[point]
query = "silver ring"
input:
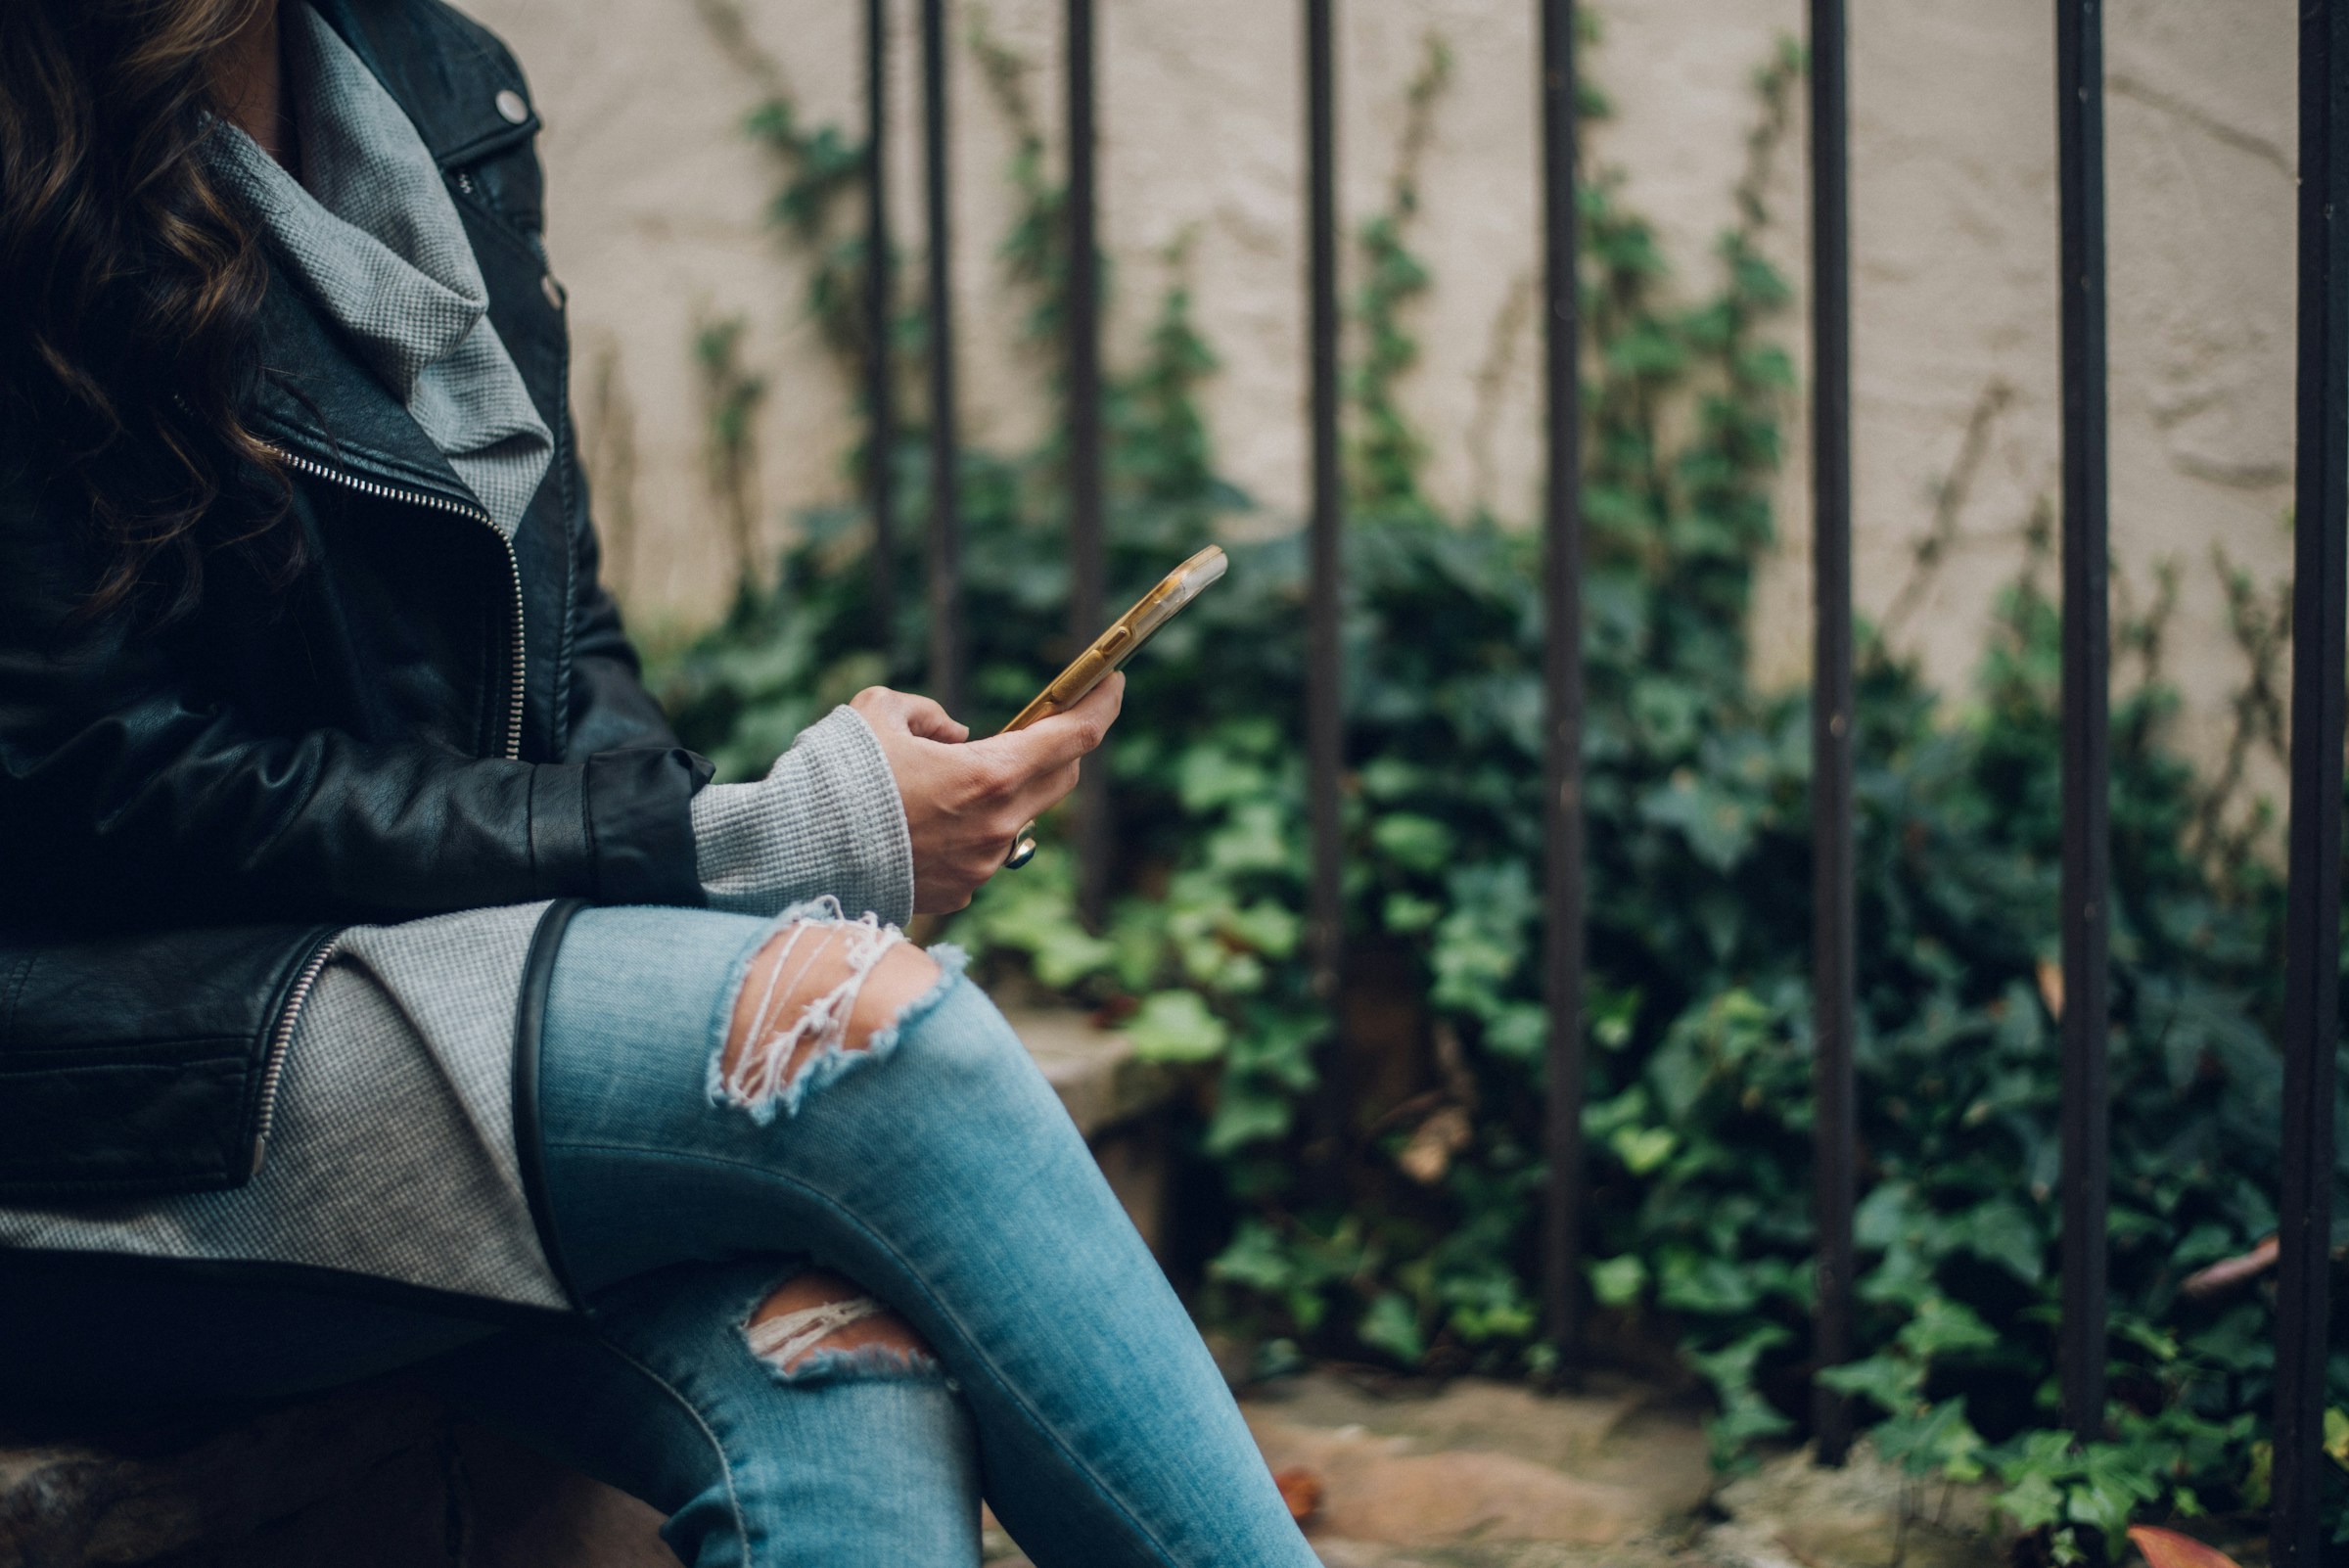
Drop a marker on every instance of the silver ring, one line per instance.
(1022, 849)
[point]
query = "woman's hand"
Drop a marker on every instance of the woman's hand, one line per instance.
(965, 800)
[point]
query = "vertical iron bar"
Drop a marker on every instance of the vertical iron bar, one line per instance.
(2312, 906)
(945, 520)
(1562, 682)
(880, 387)
(1835, 1130)
(2086, 846)
(1324, 711)
(1086, 546)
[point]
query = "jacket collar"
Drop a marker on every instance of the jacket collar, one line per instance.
(447, 74)
(317, 400)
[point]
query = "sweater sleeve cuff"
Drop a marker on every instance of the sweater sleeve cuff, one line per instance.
(826, 819)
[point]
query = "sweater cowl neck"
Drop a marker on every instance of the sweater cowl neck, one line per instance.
(372, 235)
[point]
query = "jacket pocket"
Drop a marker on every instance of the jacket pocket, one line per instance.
(112, 1127)
(133, 1063)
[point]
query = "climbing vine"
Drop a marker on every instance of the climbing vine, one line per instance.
(1696, 789)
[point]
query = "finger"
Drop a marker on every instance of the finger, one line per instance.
(1043, 792)
(1110, 695)
(925, 718)
(884, 708)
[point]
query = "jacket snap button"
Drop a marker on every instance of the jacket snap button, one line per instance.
(551, 289)
(510, 105)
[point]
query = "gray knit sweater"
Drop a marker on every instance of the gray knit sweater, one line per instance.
(394, 1152)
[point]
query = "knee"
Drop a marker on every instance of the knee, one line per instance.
(817, 987)
(819, 1321)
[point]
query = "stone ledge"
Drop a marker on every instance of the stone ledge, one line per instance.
(1094, 1070)
(65, 1503)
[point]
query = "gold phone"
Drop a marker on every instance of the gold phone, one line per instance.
(1121, 642)
(1125, 636)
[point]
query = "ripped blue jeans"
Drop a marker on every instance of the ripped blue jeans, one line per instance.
(937, 1169)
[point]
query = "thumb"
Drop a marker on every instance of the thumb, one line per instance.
(1056, 740)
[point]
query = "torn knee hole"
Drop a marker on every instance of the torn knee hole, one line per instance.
(819, 1325)
(819, 989)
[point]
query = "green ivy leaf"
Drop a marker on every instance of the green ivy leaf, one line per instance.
(1247, 1112)
(1642, 1148)
(1414, 842)
(1208, 777)
(1892, 1381)
(1744, 1415)
(1486, 1304)
(1408, 913)
(2115, 1481)
(1611, 1014)
(1254, 1259)
(1696, 1282)
(1175, 1026)
(1065, 954)
(1718, 825)
(1251, 840)
(1272, 930)
(1936, 1440)
(1518, 1032)
(1393, 1327)
(1388, 778)
(2034, 1501)
(2001, 1231)
(1945, 1327)
(1618, 1281)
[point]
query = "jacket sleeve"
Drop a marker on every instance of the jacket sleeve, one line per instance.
(130, 797)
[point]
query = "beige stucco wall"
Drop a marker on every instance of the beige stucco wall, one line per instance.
(654, 222)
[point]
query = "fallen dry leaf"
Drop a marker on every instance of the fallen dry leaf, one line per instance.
(1299, 1489)
(2231, 1270)
(2167, 1548)
(2051, 986)
(1429, 1153)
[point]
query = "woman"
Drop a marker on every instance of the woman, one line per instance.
(380, 984)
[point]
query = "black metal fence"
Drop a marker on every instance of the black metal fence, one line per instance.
(2320, 623)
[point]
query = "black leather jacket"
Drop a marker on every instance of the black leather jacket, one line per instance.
(427, 720)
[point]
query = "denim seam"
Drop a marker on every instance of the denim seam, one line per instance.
(725, 1462)
(1012, 1390)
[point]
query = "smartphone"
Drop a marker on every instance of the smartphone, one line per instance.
(1125, 636)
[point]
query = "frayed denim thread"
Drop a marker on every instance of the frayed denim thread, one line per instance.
(822, 1363)
(832, 1057)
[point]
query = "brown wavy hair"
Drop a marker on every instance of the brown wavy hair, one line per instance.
(133, 283)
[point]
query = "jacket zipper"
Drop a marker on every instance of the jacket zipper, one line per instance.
(273, 1069)
(512, 742)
